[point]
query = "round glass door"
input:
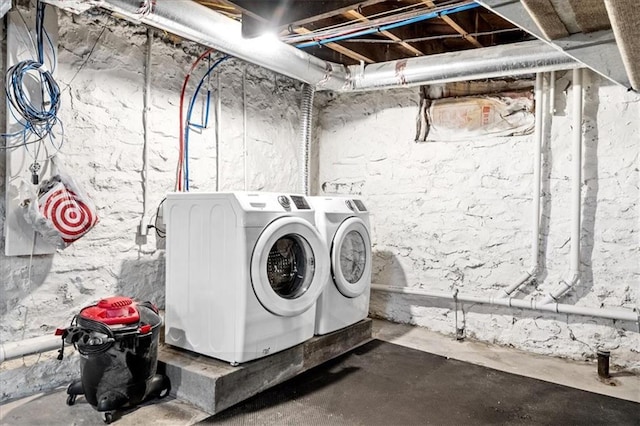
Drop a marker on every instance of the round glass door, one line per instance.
(289, 266)
(351, 257)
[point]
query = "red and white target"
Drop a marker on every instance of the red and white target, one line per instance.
(68, 214)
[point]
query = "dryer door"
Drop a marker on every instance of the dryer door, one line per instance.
(351, 257)
(289, 266)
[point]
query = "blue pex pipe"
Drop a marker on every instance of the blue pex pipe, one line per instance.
(189, 112)
(387, 27)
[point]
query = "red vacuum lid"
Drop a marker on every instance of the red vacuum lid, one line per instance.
(112, 311)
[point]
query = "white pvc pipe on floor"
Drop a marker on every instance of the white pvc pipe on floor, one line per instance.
(576, 188)
(31, 346)
(613, 314)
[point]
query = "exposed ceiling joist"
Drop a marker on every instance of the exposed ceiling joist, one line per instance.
(279, 14)
(625, 17)
(546, 17)
(597, 51)
(352, 14)
(338, 48)
(325, 19)
(455, 26)
(337, 11)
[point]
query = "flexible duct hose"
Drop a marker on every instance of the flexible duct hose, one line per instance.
(305, 136)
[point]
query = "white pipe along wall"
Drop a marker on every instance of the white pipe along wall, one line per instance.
(540, 97)
(455, 215)
(613, 314)
(548, 303)
(576, 185)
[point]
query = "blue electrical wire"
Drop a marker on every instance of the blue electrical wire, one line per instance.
(35, 120)
(190, 111)
(387, 27)
(54, 59)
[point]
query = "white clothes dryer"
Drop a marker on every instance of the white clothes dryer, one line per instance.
(344, 225)
(244, 271)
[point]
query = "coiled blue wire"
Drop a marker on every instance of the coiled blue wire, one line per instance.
(36, 119)
(20, 101)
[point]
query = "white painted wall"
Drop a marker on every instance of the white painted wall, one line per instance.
(444, 215)
(451, 216)
(102, 113)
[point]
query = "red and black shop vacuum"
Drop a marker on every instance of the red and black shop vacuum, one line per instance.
(117, 339)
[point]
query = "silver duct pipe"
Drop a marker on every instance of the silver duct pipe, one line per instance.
(306, 120)
(527, 57)
(198, 23)
(201, 24)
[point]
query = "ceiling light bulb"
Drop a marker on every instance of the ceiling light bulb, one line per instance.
(266, 42)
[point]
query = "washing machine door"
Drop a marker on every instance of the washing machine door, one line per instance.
(289, 266)
(351, 257)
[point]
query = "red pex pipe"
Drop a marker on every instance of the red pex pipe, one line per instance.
(180, 171)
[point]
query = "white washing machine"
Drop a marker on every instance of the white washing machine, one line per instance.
(344, 225)
(244, 271)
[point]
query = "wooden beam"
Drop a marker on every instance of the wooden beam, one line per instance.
(297, 13)
(335, 12)
(471, 39)
(338, 48)
(352, 14)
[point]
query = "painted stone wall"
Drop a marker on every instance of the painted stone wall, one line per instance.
(458, 216)
(101, 109)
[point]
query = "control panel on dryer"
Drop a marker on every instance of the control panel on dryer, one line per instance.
(300, 202)
(360, 205)
(355, 206)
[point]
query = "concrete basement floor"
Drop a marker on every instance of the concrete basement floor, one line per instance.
(402, 383)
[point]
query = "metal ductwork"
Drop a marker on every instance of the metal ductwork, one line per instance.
(198, 23)
(475, 64)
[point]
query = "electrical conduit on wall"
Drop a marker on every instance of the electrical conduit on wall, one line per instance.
(142, 227)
